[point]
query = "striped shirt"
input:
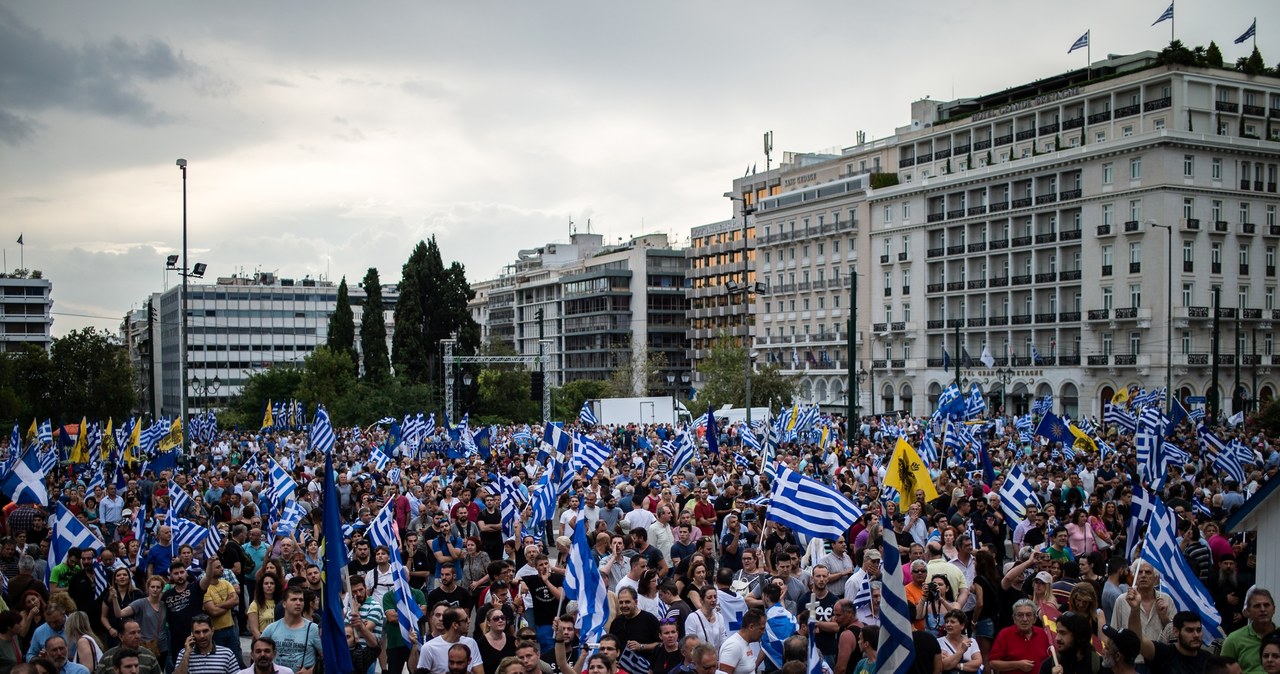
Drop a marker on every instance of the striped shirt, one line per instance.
(220, 661)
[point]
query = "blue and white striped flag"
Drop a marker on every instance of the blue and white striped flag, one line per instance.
(975, 405)
(928, 447)
(383, 531)
(1024, 423)
(896, 653)
(67, 533)
(1160, 550)
(179, 500)
(379, 458)
(770, 460)
(44, 432)
(510, 502)
(586, 416)
(290, 518)
(1117, 416)
(1149, 441)
(584, 584)
(810, 507)
(1167, 15)
(212, 542)
(25, 481)
(685, 452)
(283, 487)
(1016, 494)
(428, 426)
(1141, 508)
(589, 454)
(1080, 43)
(1223, 456)
(186, 532)
(1200, 508)
(322, 435)
(749, 437)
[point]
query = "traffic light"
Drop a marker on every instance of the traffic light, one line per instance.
(537, 381)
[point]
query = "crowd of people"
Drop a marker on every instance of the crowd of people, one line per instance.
(699, 578)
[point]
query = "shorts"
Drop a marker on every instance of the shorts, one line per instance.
(985, 628)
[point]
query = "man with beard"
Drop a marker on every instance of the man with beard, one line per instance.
(1121, 649)
(263, 653)
(1224, 586)
(1074, 647)
(1245, 644)
(1184, 655)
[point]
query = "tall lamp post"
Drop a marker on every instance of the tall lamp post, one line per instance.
(1168, 341)
(1004, 375)
(182, 368)
(747, 211)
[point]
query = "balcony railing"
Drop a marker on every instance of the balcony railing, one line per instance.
(1132, 226)
(1197, 312)
(1128, 111)
(1226, 106)
(1188, 266)
(935, 252)
(1157, 104)
(1248, 228)
(1047, 318)
(999, 244)
(1135, 267)
(1071, 235)
(1070, 275)
(1003, 140)
(935, 217)
(1226, 359)
(1099, 314)
(955, 285)
(1048, 128)
(1049, 198)
(1022, 319)
(906, 162)
(955, 322)
(1220, 226)
(961, 149)
(1106, 270)
(1102, 359)
(934, 324)
(1070, 194)
(1197, 359)
(1215, 267)
(1025, 134)
(1069, 316)
(982, 144)
(1244, 270)
(1047, 277)
(999, 281)
(977, 284)
(1126, 359)
(977, 247)
(902, 257)
(1021, 203)
(999, 320)
(1127, 313)
(1250, 359)
(884, 259)
(955, 250)
(943, 153)
(1021, 241)
(933, 362)
(879, 327)
(1069, 361)
(1073, 123)
(1226, 312)
(1192, 224)
(898, 364)
(999, 206)
(1047, 237)
(977, 322)
(1104, 230)
(897, 326)
(1103, 116)
(977, 210)
(955, 213)
(1273, 230)
(1255, 110)
(1251, 314)
(1022, 279)
(935, 287)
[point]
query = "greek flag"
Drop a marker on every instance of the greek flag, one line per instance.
(586, 416)
(1253, 29)
(69, 533)
(179, 501)
(282, 486)
(700, 422)
(684, 453)
(251, 466)
(951, 403)
(379, 458)
(1042, 405)
(779, 625)
(383, 531)
(428, 426)
(928, 448)
(1023, 423)
(510, 501)
(290, 519)
(1196, 414)
(1015, 494)
(44, 433)
(555, 440)
(896, 653)
(1080, 43)
(322, 436)
(810, 507)
(1222, 455)
(749, 438)
(1116, 415)
(1166, 16)
(1160, 549)
(212, 542)
(186, 532)
(1236, 419)
(25, 481)
(543, 500)
(523, 436)
(1200, 508)
(48, 459)
(589, 454)
(584, 584)
(957, 438)
(1141, 507)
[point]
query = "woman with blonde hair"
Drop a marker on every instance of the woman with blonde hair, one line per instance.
(82, 644)
(496, 643)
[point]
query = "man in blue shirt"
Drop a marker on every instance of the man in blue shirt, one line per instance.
(55, 621)
(160, 557)
(445, 549)
(56, 650)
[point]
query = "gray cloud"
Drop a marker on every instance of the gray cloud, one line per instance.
(105, 78)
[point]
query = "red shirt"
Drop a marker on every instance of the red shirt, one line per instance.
(1010, 645)
(705, 511)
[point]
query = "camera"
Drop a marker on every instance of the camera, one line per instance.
(930, 592)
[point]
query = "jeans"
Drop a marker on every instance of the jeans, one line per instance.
(230, 637)
(397, 658)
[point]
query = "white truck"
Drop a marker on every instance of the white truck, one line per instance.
(647, 410)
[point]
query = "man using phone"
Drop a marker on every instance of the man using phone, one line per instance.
(199, 653)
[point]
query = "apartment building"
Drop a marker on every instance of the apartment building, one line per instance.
(26, 305)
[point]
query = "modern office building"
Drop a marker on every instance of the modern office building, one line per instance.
(1069, 233)
(26, 305)
(600, 306)
(240, 325)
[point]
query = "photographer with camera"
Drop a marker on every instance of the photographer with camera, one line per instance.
(938, 600)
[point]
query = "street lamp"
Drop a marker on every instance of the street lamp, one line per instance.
(182, 367)
(1004, 375)
(864, 373)
(204, 388)
(747, 211)
(1168, 340)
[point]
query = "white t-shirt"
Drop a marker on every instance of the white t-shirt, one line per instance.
(709, 630)
(279, 669)
(739, 654)
(435, 654)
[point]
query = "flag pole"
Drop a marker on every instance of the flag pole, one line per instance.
(1173, 21)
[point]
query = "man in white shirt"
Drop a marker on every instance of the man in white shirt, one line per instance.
(435, 653)
(661, 536)
(740, 653)
(591, 511)
(264, 659)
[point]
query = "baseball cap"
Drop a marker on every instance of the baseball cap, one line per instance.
(872, 554)
(1044, 577)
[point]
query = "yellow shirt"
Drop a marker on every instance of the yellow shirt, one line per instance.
(219, 592)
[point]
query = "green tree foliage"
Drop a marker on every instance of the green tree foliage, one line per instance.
(373, 331)
(724, 370)
(276, 384)
(566, 401)
(622, 381)
(90, 376)
(342, 327)
(500, 392)
(1213, 56)
(1253, 65)
(327, 375)
(1176, 54)
(26, 385)
(432, 306)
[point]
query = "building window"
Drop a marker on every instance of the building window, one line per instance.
(888, 246)
(1244, 212)
(1159, 124)
(1135, 295)
(1106, 343)
(1135, 210)
(1100, 137)
(1135, 168)
(1215, 168)
(1126, 131)
(888, 214)
(1186, 342)
(1188, 251)
(1135, 252)
(1188, 208)
(1215, 211)
(1108, 300)
(1242, 296)
(906, 210)
(1107, 255)
(1107, 173)
(1244, 256)
(1108, 214)
(1269, 298)
(1271, 215)
(1135, 343)
(1188, 289)
(1188, 166)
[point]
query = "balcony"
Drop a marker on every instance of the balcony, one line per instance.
(955, 322)
(977, 247)
(879, 364)
(976, 210)
(1244, 270)
(935, 287)
(902, 257)
(955, 285)
(1226, 359)
(933, 362)
(898, 364)
(1251, 314)
(1071, 235)
(999, 206)
(1188, 266)
(1099, 314)
(976, 322)
(935, 252)
(1197, 359)
(1069, 316)
(1250, 359)
(898, 326)
(1248, 228)
(999, 281)
(1271, 271)
(934, 324)
(1049, 198)
(906, 162)
(1104, 116)
(997, 321)
(1106, 270)
(1003, 140)
(962, 149)
(884, 259)
(1022, 280)
(1191, 224)
(1099, 360)
(1021, 203)
(1104, 230)
(1070, 194)
(1220, 227)
(879, 327)
(1135, 267)
(888, 291)
(1026, 134)
(1157, 104)
(1047, 318)
(955, 213)
(1127, 313)
(955, 250)
(924, 158)
(1022, 319)
(1021, 241)
(982, 144)
(1128, 111)
(943, 153)
(1132, 226)
(999, 244)
(1273, 230)
(1126, 359)
(977, 284)
(1255, 110)
(1048, 129)
(1069, 361)
(1047, 237)
(1215, 267)
(1226, 312)
(1226, 106)
(1197, 312)
(1070, 275)
(906, 290)
(1047, 277)
(935, 217)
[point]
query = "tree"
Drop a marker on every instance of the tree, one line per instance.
(1213, 56)
(26, 387)
(645, 378)
(274, 383)
(432, 306)
(1253, 65)
(342, 326)
(501, 391)
(373, 330)
(724, 370)
(1176, 54)
(566, 401)
(327, 375)
(91, 375)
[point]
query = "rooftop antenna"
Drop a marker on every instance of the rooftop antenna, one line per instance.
(768, 150)
(588, 225)
(570, 226)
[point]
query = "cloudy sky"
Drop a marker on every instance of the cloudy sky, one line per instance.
(327, 137)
